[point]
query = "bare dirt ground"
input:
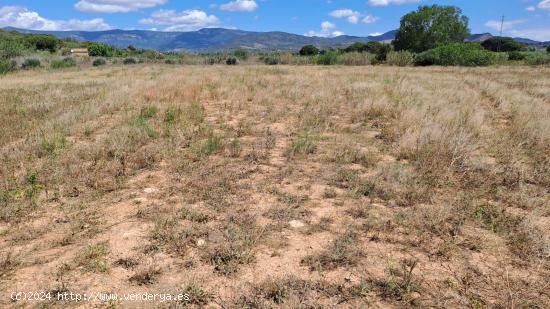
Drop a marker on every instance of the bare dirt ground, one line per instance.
(291, 187)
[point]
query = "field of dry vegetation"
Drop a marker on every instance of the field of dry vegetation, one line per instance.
(291, 187)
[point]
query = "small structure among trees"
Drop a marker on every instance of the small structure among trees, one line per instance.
(79, 51)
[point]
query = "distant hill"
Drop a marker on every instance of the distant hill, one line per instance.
(219, 39)
(209, 39)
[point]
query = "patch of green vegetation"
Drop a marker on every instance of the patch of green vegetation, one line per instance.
(210, 146)
(63, 63)
(94, 258)
(52, 145)
(304, 144)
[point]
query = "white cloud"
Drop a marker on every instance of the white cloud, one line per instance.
(530, 8)
(391, 2)
(21, 17)
(240, 5)
(544, 5)
(115, 6)
(369, 19)
(327, 30)
(188, 20)
(353, 16)
(326, 26)
(507, 25)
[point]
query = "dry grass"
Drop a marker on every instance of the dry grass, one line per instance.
(260, 186)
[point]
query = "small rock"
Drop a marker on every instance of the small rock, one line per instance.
(150, 190)
(201, 242)
(296, 224)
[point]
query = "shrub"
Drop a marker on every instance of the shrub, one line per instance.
(99, 62)
(400, 58)
(501, 58)
(538, 59)
(378, 48)
(30, 63)
(356, 58)
(42, 42)
(309, 50)
(463, 54)
(10, 49)
(170, 61)
(130, 61)
(516, 56)
(328, 58)
(241, 54)
(100, 50)
(548, 49)
(231, 61)
(63, 63)
(500, 44)
(356, 47)
(272, 59)
(215, 59)
(7, 66)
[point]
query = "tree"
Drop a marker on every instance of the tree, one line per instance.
(309, 50)
(548, 49)
(501, 44)
(431, 26)
(42, 42)
(356, 47)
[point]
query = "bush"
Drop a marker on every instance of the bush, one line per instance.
(10, 49)
(328, 58)
(215, 59)
(231, 61)
(30, 64)
(309, 50)
(516, 56)
(356, 58)
(537, 58)
(272, 59)
(7, 66)
(130, 61)
(378, 48)
(170, 61)
(63, 63)
(462, 54)
(100, 50)
(42, 42)
(400, 58)
(241, 54)
(99, 62)
(548, 49)
(500, 44)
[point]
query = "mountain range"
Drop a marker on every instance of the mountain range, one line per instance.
(220, 39)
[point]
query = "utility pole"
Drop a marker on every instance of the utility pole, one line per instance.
(501, 29)
(501, 25)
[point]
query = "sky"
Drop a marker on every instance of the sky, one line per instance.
(327, 18)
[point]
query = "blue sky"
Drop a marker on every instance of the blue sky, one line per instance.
(526, 18)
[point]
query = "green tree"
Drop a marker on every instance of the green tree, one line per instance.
(431, 26)
(356, 47)
(309, 50)
(42, 42)
(548, 49)
(501, 44)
